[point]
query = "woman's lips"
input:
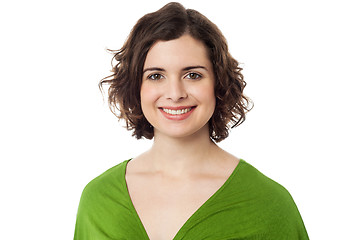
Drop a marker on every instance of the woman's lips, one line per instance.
(177, 113)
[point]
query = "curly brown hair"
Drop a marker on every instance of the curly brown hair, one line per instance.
(169, 23)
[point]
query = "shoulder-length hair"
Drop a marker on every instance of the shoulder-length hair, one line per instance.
(169, 23)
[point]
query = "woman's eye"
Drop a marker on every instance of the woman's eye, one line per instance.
(155, 76)
(193, 75)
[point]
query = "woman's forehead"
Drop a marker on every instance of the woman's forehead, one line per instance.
(180, 52)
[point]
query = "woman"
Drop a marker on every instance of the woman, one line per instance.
(175, 82)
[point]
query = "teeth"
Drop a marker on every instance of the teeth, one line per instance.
(177, 112)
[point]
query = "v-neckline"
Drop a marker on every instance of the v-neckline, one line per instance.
(183, 227)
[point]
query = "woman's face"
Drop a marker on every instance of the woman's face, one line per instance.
(177, 92)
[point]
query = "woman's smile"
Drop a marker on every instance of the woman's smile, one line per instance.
(177, 113)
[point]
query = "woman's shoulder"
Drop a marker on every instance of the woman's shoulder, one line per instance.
(272, 201)
(110, 180)
(104, 204)
(254, 180)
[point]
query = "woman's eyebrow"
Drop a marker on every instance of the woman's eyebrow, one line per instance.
(192, 67)
(163, 70)
(154, 69)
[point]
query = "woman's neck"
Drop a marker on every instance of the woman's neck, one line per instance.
(181, 156)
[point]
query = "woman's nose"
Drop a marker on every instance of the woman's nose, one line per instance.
(175, 90)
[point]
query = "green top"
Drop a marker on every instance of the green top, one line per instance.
(248, 206)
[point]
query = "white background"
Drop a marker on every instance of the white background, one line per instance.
(301, 61)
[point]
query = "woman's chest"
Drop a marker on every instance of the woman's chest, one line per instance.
(164, 206)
